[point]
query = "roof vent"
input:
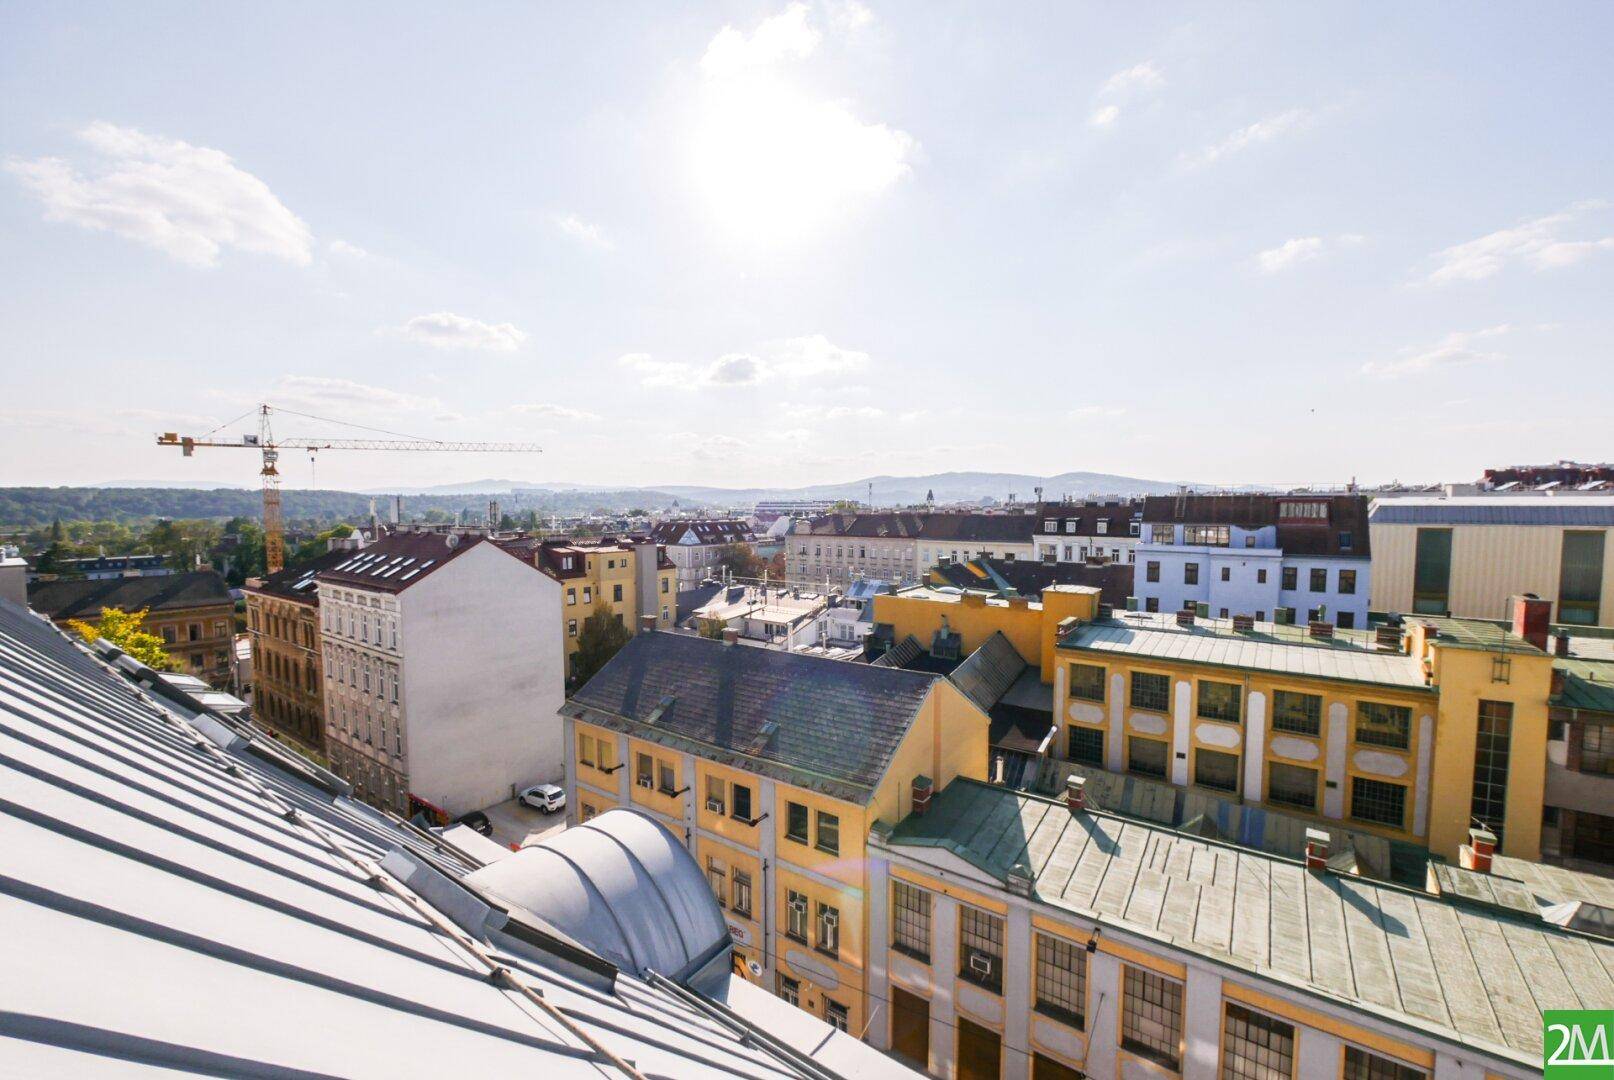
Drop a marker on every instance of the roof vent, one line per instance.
(1322, 631)
(1185, 617)
(1316, 850)
(1388, 639)
(1243, 624)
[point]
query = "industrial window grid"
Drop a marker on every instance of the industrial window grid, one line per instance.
(1597, 748)
(1492, 740)
(1146, 757)
(1378, 802)
(911, 930)
(835, 1015)
(981, 937)
(1151, 1017)
(1219, 701)
(1061, 979)
(1151, 691)
(1217, 770)
(1087, 746)
(1087, 682)
(1365, 1065)
(1292, 785)
(1378, 724)
(1298, 714)
(790, 990)
(1256, 1046)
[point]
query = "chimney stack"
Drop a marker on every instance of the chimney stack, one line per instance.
(1560, 645)
(922, 791)
(1476, 855)
(1076, 793)
(1531, 615)
(1316, 850)
(647, 623)
(730, 635)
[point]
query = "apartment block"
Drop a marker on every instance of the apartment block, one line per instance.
(695, 544)
(1306, 557)
(192, 612)
(771, 768)
(283, 628)
(1091, 531)
(838, 549)
(443, 664)
(1465, 556)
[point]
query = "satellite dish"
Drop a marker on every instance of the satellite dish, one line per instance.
(755, 969)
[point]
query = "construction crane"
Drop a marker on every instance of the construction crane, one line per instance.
(274, 543)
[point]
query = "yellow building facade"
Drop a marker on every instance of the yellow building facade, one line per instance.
(782, 835)
(630, 578)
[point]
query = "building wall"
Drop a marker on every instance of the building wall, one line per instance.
(364, 720)
(198, 639)
(288, 689)
(840, 560)
(1029, 625)
(483, 680)
(1074, 547)
(1489, 563)
(1244, 592)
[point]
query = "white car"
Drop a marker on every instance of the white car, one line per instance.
(546, 797)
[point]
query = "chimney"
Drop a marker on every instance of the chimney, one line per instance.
(1560, 645)
(1477, 853)
(922, 791)
(1244, 624)
(1185, 617)
(1531, 614)
(730, 636)
(1557, 682)
(1076, 793)
(647, 623)
(1316, 850)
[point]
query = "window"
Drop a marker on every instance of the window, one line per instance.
(1087, 682)
(1227, 573)
(714, 795)
(741, 895)
(911, 920)
(616, 593)
(829, 833)
(571, 627)
(835, 1014)
(665, 778)
(1378, 802)
(1347, 582)
(1205, 535)
(1580, 579)
(1491, 744)
(1219, 701)
(1151, 604)
(1289, 578)
(1383, 725)
(1597, 749)
(665, 582)
(585, 749)
(644, 769)
(1364, 1065)
(1061, 989)
(1319, 579)
(1215, 769)
(571, 597)
(1190, 573)
(740, 796)
(1298, 714)
(1431, 572)
(796, 916)
(1146, 757)
(1087, 746)
(1345, 620)
(796, 822)
(790, 990)
(1314, 511)
(1261, 576)
(980, 948)
(1256, 1046)
(588, 594)
(1151, 570)
(1151, 691)
(1292, 785)
(1151, 1017)
(718, 879)
(829, 929)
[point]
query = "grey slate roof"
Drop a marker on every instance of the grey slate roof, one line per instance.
(163, 913)
(1349, 656)
(1571, 510)
(299, 584)
(1476, 978)
(84, 599)
(824, 724)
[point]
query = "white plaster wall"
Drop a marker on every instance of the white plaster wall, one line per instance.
(1181, 721)
(1104, 1026)
(1202, 1023)
(482, 673)
(875, 979)
(1420, 785)
(1334, 767)
(1317, 1053)
(1255, 726)
(943, 957)
(1115, 751)
(1016, 1002)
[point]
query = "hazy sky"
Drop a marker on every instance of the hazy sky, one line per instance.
(778, 244)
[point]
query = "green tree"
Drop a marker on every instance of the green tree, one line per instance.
(127, 630)
(598, 640)
(740, 561)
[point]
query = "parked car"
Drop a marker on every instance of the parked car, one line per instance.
(546, 797)
(477, 820)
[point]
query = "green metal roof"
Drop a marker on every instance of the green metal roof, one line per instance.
(1588, 684)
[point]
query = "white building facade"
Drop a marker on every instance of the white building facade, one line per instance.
(1088, 532)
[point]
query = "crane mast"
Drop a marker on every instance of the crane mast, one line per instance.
(274, 529)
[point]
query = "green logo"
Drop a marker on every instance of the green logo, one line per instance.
(1578, 1045)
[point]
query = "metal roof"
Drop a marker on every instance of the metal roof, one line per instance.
(1348, 656)
(1470, 976)
(180, 895)
(84, 598)
(1573, 510)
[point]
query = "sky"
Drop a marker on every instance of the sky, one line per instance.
(777, 244)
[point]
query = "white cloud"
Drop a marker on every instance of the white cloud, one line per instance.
(1104, 115)
(344, 397)
(786, 35)
(812, 356)
(1536, 243)
(548, 411)
(813, 413)
(1144, 76)
(346, 250)
(773, 161)
(1089, 412)
(848, 16)
(189, 202)
(791, 359)
(1290, 252)
(735, 369)
(1454, 350)
(583, 232)
(1262, 131)
(445, 330)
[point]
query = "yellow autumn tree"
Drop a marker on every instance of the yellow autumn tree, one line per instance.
(127, 630)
